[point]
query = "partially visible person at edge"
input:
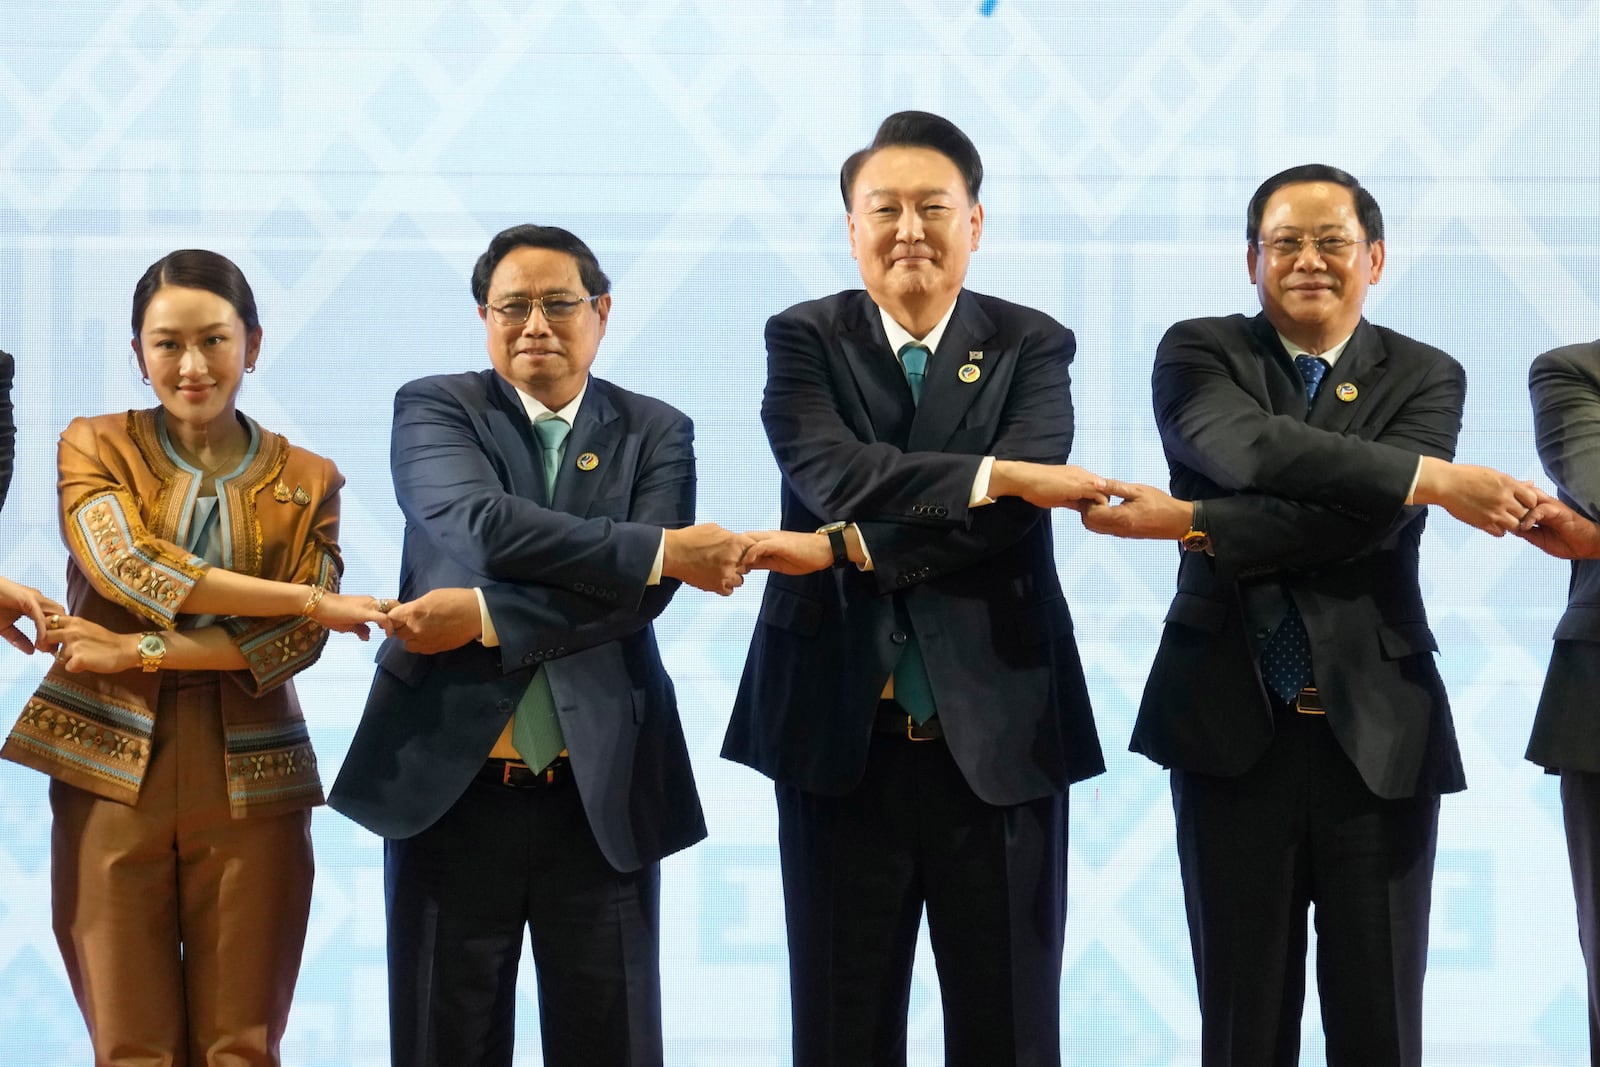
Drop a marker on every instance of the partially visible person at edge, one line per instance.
(203, 575)
(16, 600)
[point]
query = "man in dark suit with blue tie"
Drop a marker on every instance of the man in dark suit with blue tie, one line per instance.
(521, 750)
(913, 686)
(1294, 693)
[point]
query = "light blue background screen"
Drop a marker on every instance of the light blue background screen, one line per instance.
(354, 158)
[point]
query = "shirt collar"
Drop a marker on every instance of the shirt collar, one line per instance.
(567, 414)
(1330, 357)
(899, 338)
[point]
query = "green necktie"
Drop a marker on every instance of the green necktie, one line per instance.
(536, 730)
(914, 358)
(912, 690)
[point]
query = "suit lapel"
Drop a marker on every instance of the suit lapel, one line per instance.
(1362, 367)
(597, 433)
(945, 396)
(512, 434)
(878, 377)
(1285, 389)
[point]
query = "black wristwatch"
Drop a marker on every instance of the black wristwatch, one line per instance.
(835, 532)
(1197, 539)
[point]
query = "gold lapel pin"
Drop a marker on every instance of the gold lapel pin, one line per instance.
(969, 372)
(588, 461)
(301, 497)
(280, 492)
(1346, 391)
(974, 356)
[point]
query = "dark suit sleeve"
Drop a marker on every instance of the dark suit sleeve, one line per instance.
(447, 485)
(8, 427)
(827, 465)
(1212, 424)
(1036, 426)
(532, 615)
(1565, 386)
(1256, 533)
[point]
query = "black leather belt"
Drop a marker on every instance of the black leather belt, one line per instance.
(514, 774)
(892, 719)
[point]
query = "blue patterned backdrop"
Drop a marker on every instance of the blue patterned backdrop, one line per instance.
(354, 158)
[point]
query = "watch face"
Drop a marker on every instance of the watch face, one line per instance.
(151, 645)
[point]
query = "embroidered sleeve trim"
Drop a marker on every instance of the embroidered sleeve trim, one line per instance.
(276, 649)
(124, 562)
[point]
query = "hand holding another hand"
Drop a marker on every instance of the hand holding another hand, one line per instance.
(706, 556)
(1481, 497)
(17, 601)
(349, 614)
(1144, 513)
(1047, 485)
(1559, 530)
(787, 552)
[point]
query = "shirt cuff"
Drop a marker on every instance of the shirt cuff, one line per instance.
(866, 553)
(489, 638)
(980, 484)
(1416, 476)
(661, 561)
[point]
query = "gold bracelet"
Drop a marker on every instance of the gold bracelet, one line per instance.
(312, 601)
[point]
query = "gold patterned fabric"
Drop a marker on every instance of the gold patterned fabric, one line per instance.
(127, 503)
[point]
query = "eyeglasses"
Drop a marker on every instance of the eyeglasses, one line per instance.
(1327, 247)
(558, 308)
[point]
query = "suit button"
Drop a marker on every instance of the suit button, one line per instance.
(898, 637)
(529, 658)
(1263, 634)
(941, 512)
(902, 579)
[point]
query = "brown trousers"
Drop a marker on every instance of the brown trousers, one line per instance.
(181, 927)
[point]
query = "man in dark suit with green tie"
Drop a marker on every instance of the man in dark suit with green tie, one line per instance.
(913, 686)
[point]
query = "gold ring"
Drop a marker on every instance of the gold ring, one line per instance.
(53, 622)
(383, 604)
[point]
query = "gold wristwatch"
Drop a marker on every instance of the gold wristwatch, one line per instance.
(1197, 539)
(152, 649)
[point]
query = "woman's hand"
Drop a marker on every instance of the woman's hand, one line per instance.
(349, 614)
(81, 645)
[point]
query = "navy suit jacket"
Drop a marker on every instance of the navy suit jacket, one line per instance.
(1565, 387)
(978, 585)
(1309, 508)
(8, 426)
(565, 583)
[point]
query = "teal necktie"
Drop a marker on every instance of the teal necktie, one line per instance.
(536, 730)
(912, 690)
(914, 358)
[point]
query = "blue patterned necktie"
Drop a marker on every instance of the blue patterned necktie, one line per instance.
(1286, 659)
(535, 728)
(914, 358)
(912, 690)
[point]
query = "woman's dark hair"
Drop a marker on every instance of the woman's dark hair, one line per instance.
(196, 268)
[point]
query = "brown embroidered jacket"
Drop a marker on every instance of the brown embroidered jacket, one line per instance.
(127, 503)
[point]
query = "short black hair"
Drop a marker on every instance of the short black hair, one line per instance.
(528, 236)
(1367, 212)
(196, 268)
(918, 129)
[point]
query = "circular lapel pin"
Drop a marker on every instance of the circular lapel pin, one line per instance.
(1345, 392)
(588, 461)
(969, 372)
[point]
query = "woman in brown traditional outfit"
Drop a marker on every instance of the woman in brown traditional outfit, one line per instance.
(204, 574)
